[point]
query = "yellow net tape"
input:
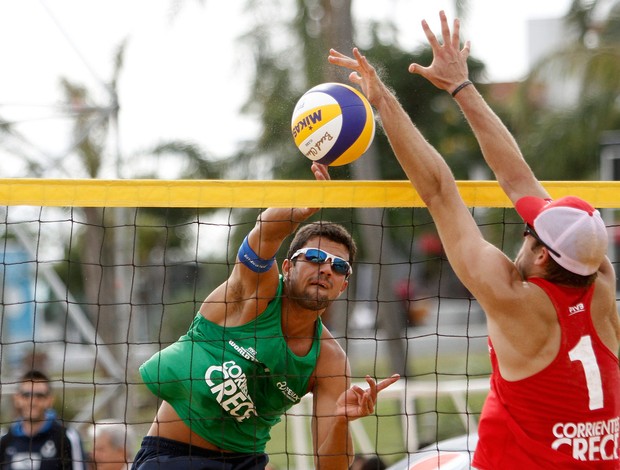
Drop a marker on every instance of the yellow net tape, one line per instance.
(260, 194)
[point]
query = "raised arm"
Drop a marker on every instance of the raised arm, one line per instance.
(425, 168)
(434, 182)
(275, 224)
(449, 72)
(254, 279)
(271, 229)
(336, 403)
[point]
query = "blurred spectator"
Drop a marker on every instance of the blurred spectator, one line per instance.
(414, 310)
(113, 445)
(38, 439)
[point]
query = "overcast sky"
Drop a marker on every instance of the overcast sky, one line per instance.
(186, 78)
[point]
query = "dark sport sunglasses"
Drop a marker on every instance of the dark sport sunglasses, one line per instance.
(530, 231)
(315, 255)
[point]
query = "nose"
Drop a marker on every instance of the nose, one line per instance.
(326, 267)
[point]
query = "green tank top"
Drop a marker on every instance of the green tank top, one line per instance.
(231, 385)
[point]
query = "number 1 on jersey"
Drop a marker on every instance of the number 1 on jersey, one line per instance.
(584, 353)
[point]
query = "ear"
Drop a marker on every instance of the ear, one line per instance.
(542, 256)
(345, 284)
(286, 267)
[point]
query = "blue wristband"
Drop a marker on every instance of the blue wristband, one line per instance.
(251, 260)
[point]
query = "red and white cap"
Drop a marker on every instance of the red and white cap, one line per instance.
(571, 227)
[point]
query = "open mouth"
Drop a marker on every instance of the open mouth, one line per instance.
(323, 284)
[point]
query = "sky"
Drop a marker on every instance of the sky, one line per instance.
(185, 78)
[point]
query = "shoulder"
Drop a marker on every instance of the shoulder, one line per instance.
(604, 313)
(73, 436)
(242, 297)
(56, 428)
(505, 296)
(330, 347)
(519, 303)
(5, 436)
(72, 433)
(60, 429)
(485, 270)
(524, 330)
(523, 315)
(333, 364)
(605, 284)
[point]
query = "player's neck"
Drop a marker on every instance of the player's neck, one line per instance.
(31, 428)
(299, 329)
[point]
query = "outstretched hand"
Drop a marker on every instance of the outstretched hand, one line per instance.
(449, 67)
(321, 172)
(356, 402)
(364, 74)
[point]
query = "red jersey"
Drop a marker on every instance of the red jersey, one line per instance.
(565, 416)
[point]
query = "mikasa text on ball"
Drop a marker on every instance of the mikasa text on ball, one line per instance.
(333, 124)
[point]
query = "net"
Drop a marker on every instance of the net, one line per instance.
(98, 275)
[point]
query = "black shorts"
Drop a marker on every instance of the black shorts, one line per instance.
(159, 453)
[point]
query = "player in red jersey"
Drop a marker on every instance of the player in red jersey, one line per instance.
(552, 319)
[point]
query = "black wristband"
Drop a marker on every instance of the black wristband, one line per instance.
(460, 87)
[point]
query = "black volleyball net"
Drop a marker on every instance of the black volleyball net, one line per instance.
(98, 275)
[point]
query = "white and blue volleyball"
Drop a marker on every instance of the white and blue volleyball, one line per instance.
(333, 124)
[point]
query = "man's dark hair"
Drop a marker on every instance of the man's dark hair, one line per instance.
(34, 376)
(560, 275)
(329, 230)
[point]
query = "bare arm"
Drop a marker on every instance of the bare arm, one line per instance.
(501, 152)
(423, 165)
(434, 182)
(483, 268)
(275, 224)
(246, 293)
(335, 403)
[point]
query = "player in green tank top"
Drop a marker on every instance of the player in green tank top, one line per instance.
(254, 349)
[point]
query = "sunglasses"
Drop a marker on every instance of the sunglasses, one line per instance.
(39, 395)
(314, 255)
(530, 231)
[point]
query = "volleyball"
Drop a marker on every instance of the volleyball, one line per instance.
(333, 124)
